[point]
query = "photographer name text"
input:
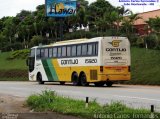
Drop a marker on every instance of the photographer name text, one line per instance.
(139, 2)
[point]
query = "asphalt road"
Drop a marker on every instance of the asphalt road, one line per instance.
(133, 96)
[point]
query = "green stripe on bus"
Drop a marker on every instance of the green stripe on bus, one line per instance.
(52, 70)
(47, 70)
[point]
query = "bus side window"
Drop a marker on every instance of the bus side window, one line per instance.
(73, 50)
(68, 51)
(59, 52)
(50, 52)
(79, 50)
(84, 49)
(89, 51)
(64, 51)
(42, 53)
(54, 52)
(96, 49)
(38, 54)
(46, 53)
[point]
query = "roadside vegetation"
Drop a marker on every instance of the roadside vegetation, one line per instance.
(50, 101)
(13, 66)
(145, 66)
(28, 28)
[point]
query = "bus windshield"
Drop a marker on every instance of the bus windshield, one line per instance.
(31, 60)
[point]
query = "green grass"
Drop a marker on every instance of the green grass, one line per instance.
(145, 66)
(49, 101)
(11, 64)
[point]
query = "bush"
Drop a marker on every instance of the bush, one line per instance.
(41, 101)
(152, 41)
(19, 54)
(140, 42)
(133, 39)
(36, 40)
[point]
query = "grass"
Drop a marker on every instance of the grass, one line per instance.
(12, 69)
(49, 101)
(11, 64)
(145, 66)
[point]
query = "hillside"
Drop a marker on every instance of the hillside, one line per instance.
(145, 68)
(12, 69)
(7, 64)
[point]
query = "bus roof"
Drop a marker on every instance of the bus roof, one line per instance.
(67, 42)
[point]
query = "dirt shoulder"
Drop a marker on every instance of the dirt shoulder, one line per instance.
(10, 105)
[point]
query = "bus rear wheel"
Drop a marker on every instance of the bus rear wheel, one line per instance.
(109, 83)
(99, 84)
(75, 79)
(83, 80)
(39, 79)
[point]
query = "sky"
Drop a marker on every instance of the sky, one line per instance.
(12, 7)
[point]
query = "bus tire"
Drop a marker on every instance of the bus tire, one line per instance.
(109, 83)
(75, 79)
(99, 84)
(83, 80)
(39, 78)
(62, 82)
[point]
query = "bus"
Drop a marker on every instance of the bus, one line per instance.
(100, 60)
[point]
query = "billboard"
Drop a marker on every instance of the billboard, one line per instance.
(60, 8)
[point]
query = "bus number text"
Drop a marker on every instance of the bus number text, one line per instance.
(91, 61)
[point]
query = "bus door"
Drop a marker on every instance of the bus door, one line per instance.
(31, 60)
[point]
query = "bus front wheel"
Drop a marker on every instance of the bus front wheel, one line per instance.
(75, 79)
(83, 80)
(39, 78)
(62, 83)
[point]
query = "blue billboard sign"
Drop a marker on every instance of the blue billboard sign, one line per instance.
(60, 8)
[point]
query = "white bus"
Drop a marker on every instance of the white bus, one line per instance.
(100, 60)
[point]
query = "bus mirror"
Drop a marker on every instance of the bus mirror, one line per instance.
(27, 62)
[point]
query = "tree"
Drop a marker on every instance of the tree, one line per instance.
(154, 24)
(128, 23)
(99, 13)
(119, 14)
(36, 40)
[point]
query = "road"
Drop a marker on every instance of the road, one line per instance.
(133, 96)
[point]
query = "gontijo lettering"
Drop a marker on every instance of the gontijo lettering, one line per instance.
(71, 61)
(116, 49)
